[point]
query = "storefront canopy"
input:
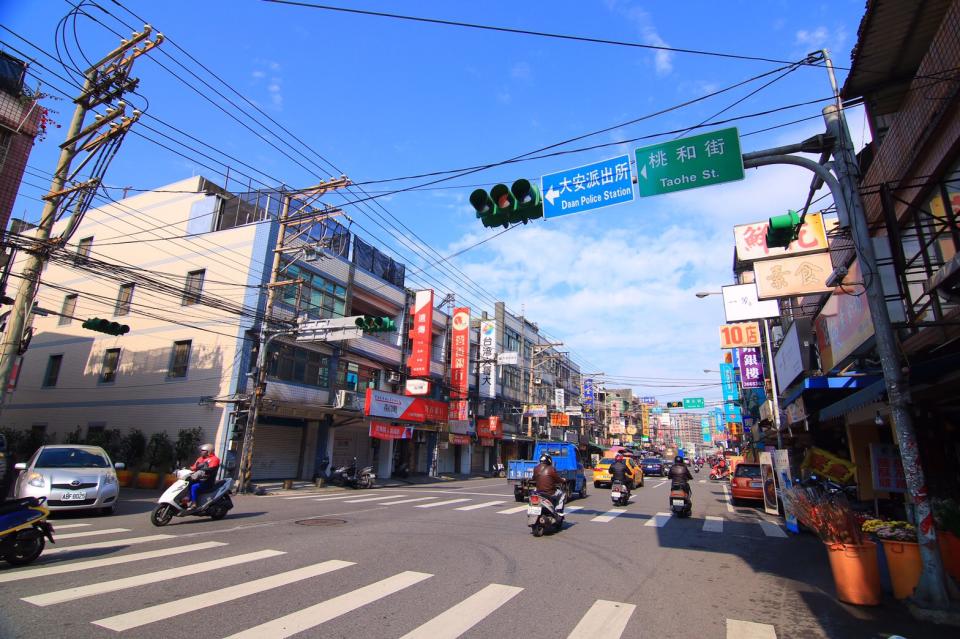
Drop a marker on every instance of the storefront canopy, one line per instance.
(862, 397)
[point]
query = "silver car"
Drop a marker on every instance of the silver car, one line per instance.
(71, 478)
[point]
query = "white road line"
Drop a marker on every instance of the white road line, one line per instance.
(62, 526)
(117, 543)
(442, 503)
(607, 516)
(659, 520)
(749, 630)
(478, 506)
(334, 498)
(177, 607)
(44, 571)
(91, 533)
(313, 496)
(517, 509)
(465, 615)
(406, 501)
(70, 594)
(604, 619)
(713, 524)
(702, 481)
(771, 530)
(726, 495)
(313, 616)
(381, 498)
(571, 509)
(660, 484)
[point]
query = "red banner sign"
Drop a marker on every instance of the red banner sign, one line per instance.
(403, 408)
(491, 427)
(487, 441)
(460, 364)
(422, 334)
(383, 430)
(459, 440)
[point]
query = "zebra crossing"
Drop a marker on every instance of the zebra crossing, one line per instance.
(600, 617)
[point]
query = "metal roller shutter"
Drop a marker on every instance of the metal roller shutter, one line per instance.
(276, 452)
(476, 461)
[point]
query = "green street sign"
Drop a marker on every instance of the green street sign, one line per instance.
(689, 163)
(693, 402)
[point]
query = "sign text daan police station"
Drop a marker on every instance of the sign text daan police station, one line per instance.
(587, 187)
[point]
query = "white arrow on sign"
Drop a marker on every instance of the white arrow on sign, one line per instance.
(643, 171)
(552, 194)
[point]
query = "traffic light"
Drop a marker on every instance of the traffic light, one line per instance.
(783, 229)
(106, 326)
(373, 324)
(674, 404)
(503, 206)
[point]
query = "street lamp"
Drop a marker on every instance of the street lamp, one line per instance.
(703, 294)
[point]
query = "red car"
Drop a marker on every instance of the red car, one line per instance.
(746, 484)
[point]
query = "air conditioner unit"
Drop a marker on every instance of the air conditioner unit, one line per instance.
(537, 380)
(348, 400)
(393, 377)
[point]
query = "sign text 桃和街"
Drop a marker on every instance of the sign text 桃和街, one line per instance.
(689, 163)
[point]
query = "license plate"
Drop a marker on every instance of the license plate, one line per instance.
(74, 496)
(755, 484)
(533, 510)
(615, 494)
(677, 502)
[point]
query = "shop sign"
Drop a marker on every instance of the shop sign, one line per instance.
(739, 335)
(488, 358)
(422, 334)
(573, 411)
(384, 430)
(558, 398)
(417, 387)
(491, 427)
(751, 240)
(740, 303)
(769, 484)
(825, 464)
(796, 412)
(887, 468)
(631, 430)
(751, 368)
(793, 276)
(559, 419)
(792, 357)
(460, 365)
(486, 441)
(845, 322)
(459, 440)
(535, 410)
(781, 466)
(403, 408)
(587, 398)
(508, 359)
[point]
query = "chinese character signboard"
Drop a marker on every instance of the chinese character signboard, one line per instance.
(693, 402)
(887, 468)
(558, 398)
(821, 462)
(422, 334)
(740, 303)
(490, 427)
(382, 430)
(740, 335)
(460, 365)
(562, 419)
(403, 408)
(845, 322)
(751, 368)
(751, 240)
(488, 357)
(793, 276)
(587, 399)
(588, 187)
(689, 163)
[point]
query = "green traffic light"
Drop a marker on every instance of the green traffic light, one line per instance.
(529, 200)
(482, 203)
(373, 324)
(105, 326)
(782, 230)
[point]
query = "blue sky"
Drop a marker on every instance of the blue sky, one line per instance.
(380, 98)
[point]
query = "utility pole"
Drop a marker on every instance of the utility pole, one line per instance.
(306, 197)
(104, 82)
(537, 350)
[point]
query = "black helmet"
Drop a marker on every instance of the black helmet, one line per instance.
(546, 459)
(678, 459)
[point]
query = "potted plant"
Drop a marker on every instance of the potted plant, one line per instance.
(188, 442)
(159, 454)
(946, 515)
(853, 559)
(900, 547)
(133, 445)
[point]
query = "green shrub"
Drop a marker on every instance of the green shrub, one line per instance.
(133, 447)
(159, 453)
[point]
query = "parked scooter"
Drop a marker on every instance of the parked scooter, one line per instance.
(24, 529)
(350, 476)
(717, 473)
(542, 515)
(680, 503)
(215, 503)
(619, 494)
(499, 470)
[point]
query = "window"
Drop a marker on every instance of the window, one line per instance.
(356, 377)
(53, 371)
(193, 288)
(293, 364)
(83, 248)
(68, 309)
(317, 296)
(108, 369)
(124, 298)
(180, 359)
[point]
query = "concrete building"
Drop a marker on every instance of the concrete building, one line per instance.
(20, 122)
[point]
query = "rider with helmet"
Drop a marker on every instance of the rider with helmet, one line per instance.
(618, 471)
(548, 481)
(205, 473)
(679, 475)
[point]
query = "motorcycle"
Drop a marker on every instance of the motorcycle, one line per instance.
(542, 515)
(350, 476)
(499, 470)
(717, 473)
(619, 494)
(24, 530)
(697, 466)
(680, 503)
(214, 503)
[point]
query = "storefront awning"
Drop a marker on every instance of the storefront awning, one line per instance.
(862, 397)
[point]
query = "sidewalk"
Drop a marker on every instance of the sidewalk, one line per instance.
(303, 487)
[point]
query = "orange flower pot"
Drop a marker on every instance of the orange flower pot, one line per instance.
(950, 552)
(168, 480)
(147, 480)
(856, 573)
(124, 477)
(903, 558)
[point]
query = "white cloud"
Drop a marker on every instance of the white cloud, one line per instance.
(662, 60)
(266, 74)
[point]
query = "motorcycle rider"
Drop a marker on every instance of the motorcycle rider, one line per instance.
(618, 471)
(548, 481)
(679, 475)
(207, 465)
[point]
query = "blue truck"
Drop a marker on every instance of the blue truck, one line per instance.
(566, 459)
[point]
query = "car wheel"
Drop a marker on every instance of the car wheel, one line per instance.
(583, 491)
(596, 484)
(109, 510)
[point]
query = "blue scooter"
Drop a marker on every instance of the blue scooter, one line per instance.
(24, 529)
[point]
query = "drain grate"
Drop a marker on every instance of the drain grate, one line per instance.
(320, 521)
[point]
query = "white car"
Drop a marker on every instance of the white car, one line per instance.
(71, 477)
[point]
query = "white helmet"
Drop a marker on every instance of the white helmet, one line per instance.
(207, 448)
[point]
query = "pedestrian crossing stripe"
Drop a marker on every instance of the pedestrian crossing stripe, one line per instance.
(442, 503)
(609, 515)
(406, 501)
(465, 615)
(659, 520)
(713, 524)
(478, 506)
(604, 619)
(737, 629)
(116, 543)
(366, 499)
(92, 533)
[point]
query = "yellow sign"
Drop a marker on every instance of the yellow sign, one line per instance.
(742, 334)
(793, 276)
(751, 240)
(829, 465)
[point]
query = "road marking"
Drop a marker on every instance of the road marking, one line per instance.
(334, 498)
(510, 511)
(62, 526)
(465, 615)
(478, 506)
(749, 630)
(360, 501)
(70, 594)
(442, 503)
(702, 481)
(313, 616)
(313, 496)
(604, 619)
(659, 520)
(571, 509)
(713, 524)
(406, 501)
(607, 516)
(92, 533)
(726, 494)
(117, 543)
(177, 607)
(771, 530)
(44, 571)
(660, 484)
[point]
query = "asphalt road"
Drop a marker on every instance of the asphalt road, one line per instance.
(437, 560)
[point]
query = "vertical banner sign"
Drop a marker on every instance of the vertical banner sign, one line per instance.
(422, 334)
(587, 399)
(559, 399)
(705, 430)
(728, 383)
(488, 357)
(769, 484)
(751, 368)
(781, 466)
(887, 469)
(460, 365)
